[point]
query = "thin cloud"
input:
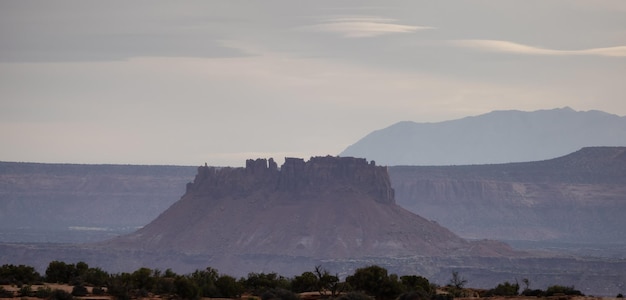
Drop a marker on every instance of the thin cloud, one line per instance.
(362, 26)
(515, 48)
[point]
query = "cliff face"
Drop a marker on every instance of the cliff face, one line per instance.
(78, 203)
(320, 175)
(577, 198)
(325, 208)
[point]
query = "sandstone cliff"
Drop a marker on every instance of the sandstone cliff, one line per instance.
(577, 198)
(78, 203)
(327, 207)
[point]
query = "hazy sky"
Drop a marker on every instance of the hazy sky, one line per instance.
(188, 82)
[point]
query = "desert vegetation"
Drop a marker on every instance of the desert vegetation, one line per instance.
(70, 281)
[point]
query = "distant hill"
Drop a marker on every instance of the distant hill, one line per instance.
(578, 198)
(495, 137)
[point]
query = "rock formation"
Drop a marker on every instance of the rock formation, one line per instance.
(325, 208)
(578, 198)
(77, 203)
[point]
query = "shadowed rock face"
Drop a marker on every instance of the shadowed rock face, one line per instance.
(327, 207)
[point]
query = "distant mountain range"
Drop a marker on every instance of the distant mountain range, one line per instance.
(495, 137)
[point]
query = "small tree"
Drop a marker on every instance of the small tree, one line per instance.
(186, 288)
(375, 281)
(456, 284)
(228, 287)
(307, 282)
(327, 282)
(414, 283)
(526, 282)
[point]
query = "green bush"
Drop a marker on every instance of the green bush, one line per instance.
(504, 289)
(375, 281)
(565, 290)
(43, 292)
(12, 274)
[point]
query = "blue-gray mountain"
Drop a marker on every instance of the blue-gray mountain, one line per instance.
(496, 137)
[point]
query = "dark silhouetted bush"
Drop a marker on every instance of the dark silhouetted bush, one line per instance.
(79, 291)
(565, 290)
(279, 294)
(355, 296)
(43, 292)
(61, 295)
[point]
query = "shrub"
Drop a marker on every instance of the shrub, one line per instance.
(42, 292)
(355, 296)
(442, 297)
(79, 291)
(26, 291)
(559, 289)
(504, 289)
(61, 295)
(5, 294)
(98, 291)
(12, 274)
(279, 294)
(532, 293)
(414, 296)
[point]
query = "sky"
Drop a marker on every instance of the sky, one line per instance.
(218, 82)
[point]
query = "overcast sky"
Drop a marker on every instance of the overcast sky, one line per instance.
(189, 82)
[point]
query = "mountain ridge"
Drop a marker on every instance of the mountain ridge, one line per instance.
(495, 137)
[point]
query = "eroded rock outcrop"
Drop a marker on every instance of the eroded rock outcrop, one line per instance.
(323, 208)
(576, 198)
(318, 175)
